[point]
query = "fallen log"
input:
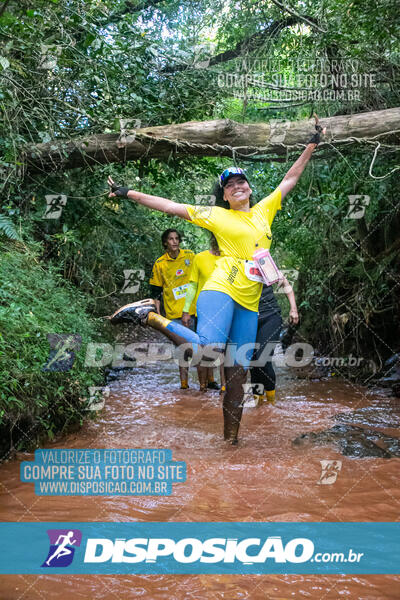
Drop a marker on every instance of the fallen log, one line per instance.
(221, 137)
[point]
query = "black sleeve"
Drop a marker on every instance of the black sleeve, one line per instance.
(155, 291)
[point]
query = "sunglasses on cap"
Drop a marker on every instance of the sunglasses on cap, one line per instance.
(223, 178)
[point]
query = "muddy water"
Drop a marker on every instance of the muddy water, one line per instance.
(265, 478)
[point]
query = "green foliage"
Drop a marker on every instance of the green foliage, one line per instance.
(35, 303)
(70, 68)
(7, 228)
(347, 284)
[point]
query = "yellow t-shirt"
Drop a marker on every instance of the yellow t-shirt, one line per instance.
(203, 266)
(172, 274)
(239, 234)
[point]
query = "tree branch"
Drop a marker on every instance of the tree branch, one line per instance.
(249, 44)
(309, 20)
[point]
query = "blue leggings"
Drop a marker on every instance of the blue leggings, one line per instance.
(222, 321)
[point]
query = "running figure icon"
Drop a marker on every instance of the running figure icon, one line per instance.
(61, 551)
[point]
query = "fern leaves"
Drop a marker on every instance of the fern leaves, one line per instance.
(7, 228)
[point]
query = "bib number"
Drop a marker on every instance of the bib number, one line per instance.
(252, 272)
(180, 291)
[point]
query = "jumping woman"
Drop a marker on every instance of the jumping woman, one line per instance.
(227, 307)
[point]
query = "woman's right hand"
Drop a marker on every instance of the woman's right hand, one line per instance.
(186, 319)
(154, 202)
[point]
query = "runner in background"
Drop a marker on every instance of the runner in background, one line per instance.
(268, 332)
(170, 279)
(203, 266)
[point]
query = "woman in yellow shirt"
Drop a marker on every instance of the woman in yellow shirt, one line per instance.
(228, 303)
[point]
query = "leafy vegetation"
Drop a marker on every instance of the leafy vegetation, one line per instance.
(34, 402)
(70, 68)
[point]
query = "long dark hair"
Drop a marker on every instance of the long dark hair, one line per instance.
(218, 192)
(213, 242)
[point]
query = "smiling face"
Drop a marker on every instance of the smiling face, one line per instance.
(237, 192)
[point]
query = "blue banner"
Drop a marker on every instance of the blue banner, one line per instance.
(103, 472)
(193, 548)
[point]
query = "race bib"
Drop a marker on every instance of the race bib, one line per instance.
(252, 272)
(180, 291)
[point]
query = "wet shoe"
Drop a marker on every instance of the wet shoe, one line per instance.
(266, 397)
(270, 396)
(212, 385)
(184, 385)
(136, 312)
(259, 399)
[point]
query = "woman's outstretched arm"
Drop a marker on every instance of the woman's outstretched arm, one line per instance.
(295, 171)
(154, 202)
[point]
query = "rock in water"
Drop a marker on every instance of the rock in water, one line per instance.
(354, 441)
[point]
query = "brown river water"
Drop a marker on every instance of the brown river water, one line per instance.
(264, 478)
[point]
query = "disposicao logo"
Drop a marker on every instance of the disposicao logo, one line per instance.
(61, 551)
(190, 550)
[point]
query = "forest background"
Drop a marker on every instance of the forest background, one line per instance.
(70, 69)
